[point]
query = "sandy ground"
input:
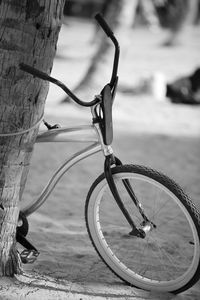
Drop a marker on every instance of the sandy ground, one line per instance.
(147, 131)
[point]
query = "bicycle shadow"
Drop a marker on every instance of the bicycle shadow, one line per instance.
(47, 287)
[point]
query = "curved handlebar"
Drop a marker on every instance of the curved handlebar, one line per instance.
(44, 76)
(110, 34)
(35, 72)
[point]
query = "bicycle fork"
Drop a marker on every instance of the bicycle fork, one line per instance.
(146, 224)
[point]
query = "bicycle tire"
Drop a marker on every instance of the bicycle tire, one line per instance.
(185, 265)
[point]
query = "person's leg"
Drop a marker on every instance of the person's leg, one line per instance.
(179, 16)
(149, 13)
(128, 13)
(193, 11)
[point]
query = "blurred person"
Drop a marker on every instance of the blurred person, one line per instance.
(197, 15)
(193, 11)
(172, 15)
(149, 14)
(130, 9)
(127, 19)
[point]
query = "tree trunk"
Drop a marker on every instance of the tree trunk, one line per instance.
(28, 33)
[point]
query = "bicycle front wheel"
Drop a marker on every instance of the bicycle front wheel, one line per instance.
(168, 258)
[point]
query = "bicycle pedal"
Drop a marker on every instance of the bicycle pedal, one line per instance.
(29, 256)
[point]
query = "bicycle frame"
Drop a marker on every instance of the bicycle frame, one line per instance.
(84, 134)
(100, 134)
(80, 134)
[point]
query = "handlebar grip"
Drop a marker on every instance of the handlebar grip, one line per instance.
(104, 25)
(34, 72)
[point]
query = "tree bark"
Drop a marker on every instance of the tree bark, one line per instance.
(28, 33)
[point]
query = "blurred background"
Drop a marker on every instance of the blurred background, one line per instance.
(159, 45)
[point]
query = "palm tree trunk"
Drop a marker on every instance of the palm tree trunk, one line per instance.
(28, 33)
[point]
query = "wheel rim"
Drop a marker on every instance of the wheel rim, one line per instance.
(166, 260)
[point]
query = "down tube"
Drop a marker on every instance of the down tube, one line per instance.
(78, 156)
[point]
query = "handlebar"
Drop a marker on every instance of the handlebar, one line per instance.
(104, 25)
(110, 34)
(44, 76)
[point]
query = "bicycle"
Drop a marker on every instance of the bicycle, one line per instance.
(152, 241)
